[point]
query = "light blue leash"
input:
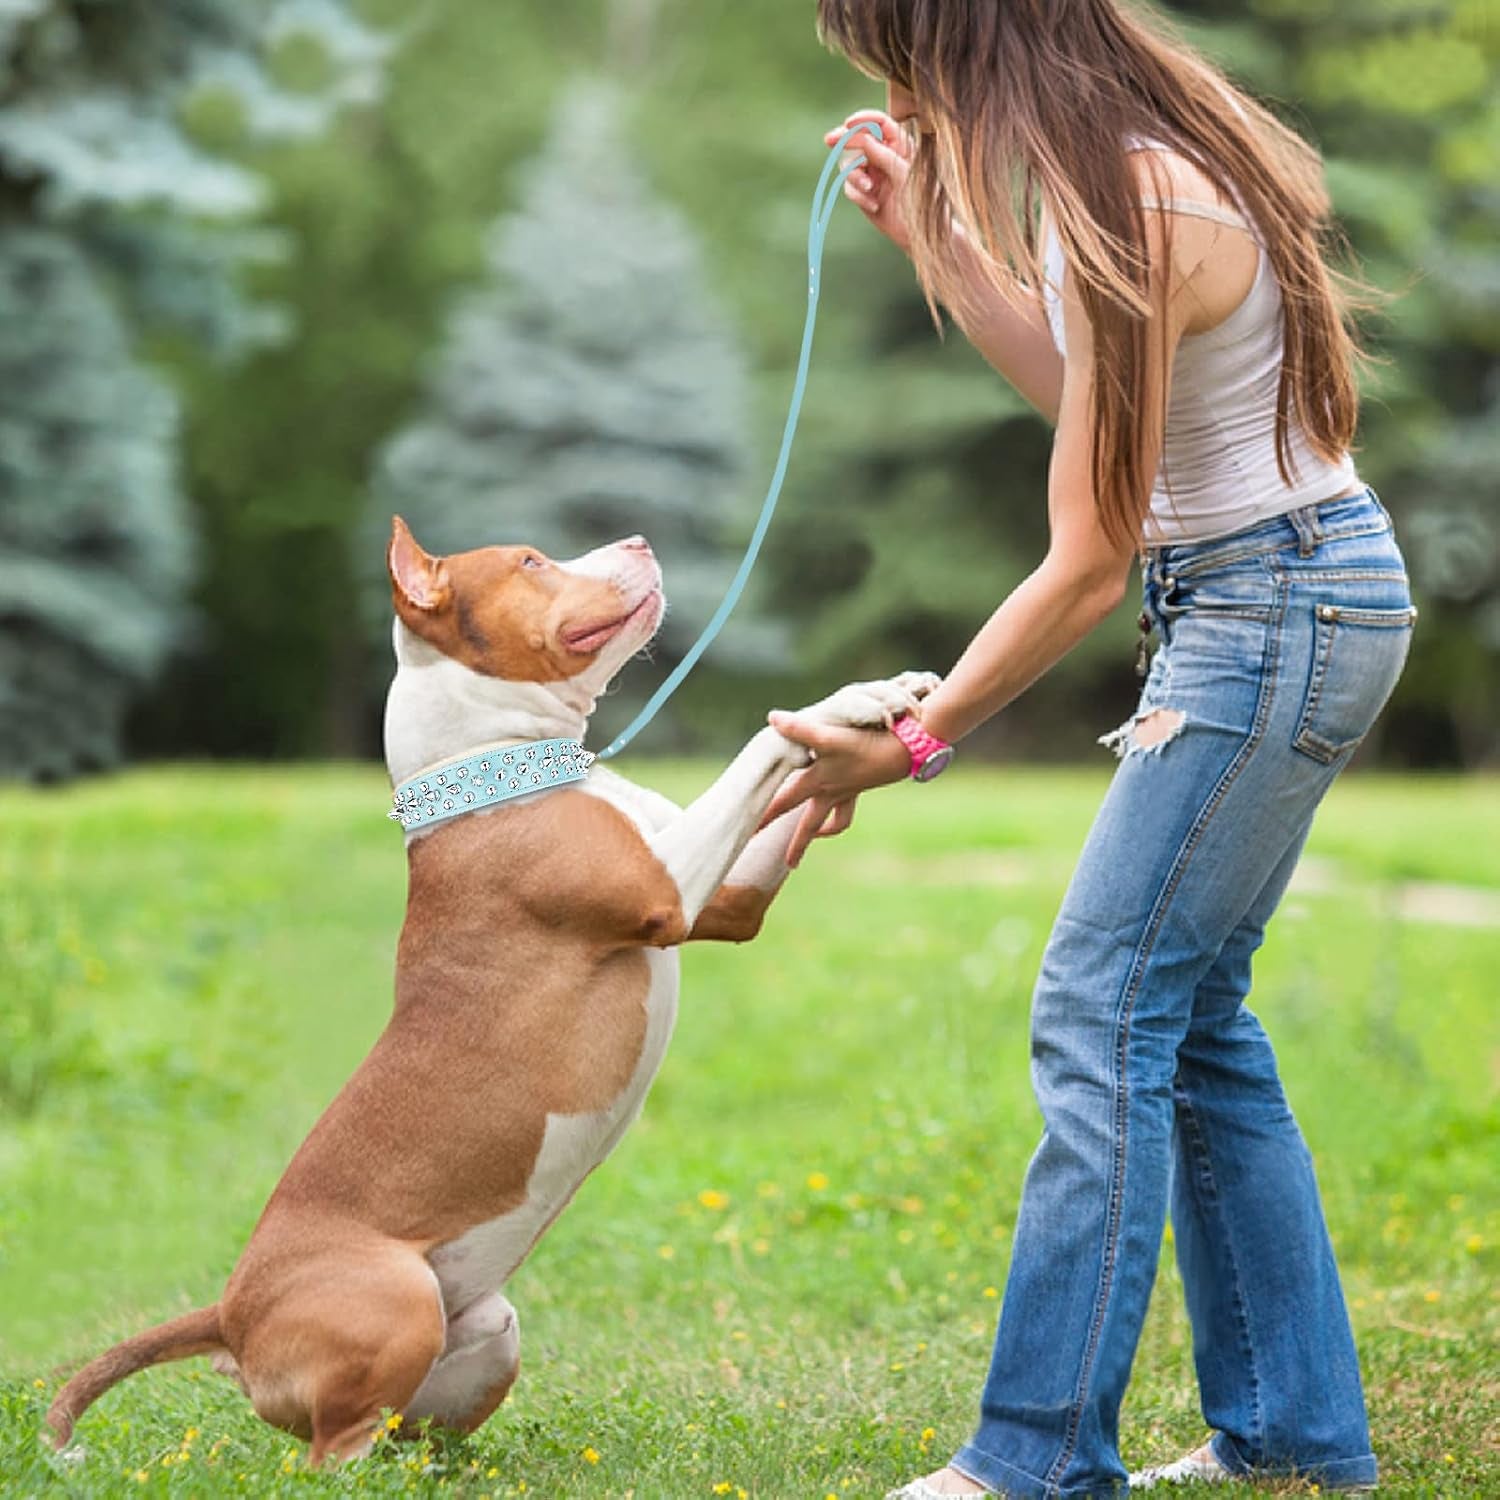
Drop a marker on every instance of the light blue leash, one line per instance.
(824, 199)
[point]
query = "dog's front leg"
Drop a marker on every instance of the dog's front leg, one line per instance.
(699, 846)
(738, 907)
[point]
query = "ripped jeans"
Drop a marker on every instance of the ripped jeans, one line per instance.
(1280, 644)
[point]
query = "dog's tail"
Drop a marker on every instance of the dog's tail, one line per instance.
(193, 1333)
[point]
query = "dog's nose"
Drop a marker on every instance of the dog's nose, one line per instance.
(636, 543)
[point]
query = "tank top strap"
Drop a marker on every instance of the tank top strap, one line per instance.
(1196, 209)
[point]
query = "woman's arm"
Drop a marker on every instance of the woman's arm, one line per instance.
(1016, 341)
(1079, 582)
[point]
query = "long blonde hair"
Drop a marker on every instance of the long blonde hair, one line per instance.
(1036, 101)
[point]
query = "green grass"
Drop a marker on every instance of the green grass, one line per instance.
(194, 959)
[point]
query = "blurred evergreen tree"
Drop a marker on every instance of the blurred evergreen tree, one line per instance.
(95, 553)
(111, 213)
(591, 392)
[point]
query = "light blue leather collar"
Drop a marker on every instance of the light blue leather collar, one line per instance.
(487, 778)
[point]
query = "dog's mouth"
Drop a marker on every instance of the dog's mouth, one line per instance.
(590, 637)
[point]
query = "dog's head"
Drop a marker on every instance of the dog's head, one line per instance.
(513, 614)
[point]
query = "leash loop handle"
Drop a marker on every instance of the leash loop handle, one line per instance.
(825, 197)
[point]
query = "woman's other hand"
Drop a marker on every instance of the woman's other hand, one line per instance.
(875, 187)
(849, 761)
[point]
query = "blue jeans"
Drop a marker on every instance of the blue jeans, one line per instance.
(1280, 644)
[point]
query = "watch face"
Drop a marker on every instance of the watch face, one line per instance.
(935, 764)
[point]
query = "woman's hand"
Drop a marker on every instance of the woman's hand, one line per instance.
(849, 761)
(875, 187)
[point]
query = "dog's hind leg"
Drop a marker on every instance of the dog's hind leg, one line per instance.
(478, 1366)
(351, 1342)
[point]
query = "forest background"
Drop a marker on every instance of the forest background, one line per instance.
(272, 271)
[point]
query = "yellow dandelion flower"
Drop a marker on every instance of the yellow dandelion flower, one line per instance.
(897, 1366)
(741, 1494)
(393, 1421)
(781, 1403)
(666, 1252)
(190, 1434)
(713, 1198)
(990, 1291)
(761, 1247)
(591, 1455)
(911, 1205)
(1448, 1458)
(491, 1473)
(723, 1487)
(1474, 1244)
(928, 1433)
(1431, 1294)
(817, 1181)
(40, 1384)
(141, 1476)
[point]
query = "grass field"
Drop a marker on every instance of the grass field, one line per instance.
(784, 1284)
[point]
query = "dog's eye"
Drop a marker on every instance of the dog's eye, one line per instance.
(531, 560)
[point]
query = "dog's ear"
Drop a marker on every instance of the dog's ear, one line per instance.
(418, 580)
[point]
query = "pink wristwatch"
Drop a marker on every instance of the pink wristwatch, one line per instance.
(930, 756)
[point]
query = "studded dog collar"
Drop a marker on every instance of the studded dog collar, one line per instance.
(487, 778)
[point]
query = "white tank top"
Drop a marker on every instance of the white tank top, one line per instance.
(1218, 470)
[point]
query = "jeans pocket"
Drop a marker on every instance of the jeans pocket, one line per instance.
(1356, 661)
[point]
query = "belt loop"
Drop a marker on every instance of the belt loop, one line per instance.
(1305, 522)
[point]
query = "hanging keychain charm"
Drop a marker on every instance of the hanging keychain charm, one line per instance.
(1143, 646)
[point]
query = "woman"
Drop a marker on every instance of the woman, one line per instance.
(1137, 247)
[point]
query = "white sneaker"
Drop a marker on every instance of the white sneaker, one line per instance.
(1200, 1467)
(1203, 1467)
(920, 1489)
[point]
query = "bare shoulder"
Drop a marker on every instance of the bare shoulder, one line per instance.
(1197, 235)
(1164, 174)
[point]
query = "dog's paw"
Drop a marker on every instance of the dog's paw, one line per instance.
(868, 705)
(918, 684)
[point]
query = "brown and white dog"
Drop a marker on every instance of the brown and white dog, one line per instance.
(536, 987)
